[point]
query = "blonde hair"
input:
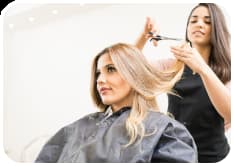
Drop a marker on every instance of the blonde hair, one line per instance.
(145, 81)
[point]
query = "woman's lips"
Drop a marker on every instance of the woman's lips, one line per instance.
(198, 33)
(104, 90)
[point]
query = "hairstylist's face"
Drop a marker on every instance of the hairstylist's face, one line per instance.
(112, 88)
(199, 27)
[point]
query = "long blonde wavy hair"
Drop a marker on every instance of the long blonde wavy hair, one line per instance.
(146, 82)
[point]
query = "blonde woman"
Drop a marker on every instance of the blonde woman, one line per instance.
(129, 126)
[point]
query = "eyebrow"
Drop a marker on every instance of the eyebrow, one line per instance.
(108, 65)
(195, 16)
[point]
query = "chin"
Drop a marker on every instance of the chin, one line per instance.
(107, 102)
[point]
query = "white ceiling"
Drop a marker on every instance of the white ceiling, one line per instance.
(20, 16)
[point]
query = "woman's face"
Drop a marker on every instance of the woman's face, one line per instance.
(199, 27)
(112, 88)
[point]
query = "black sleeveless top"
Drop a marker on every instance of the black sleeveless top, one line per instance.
(194, 109)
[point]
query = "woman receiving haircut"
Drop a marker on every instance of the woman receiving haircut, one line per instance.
(129, 126)
(204, 105)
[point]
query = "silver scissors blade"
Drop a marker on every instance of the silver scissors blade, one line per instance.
(159, 37)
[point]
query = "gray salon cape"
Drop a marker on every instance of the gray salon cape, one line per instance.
(101, 138)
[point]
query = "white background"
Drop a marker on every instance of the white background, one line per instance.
(48, 50)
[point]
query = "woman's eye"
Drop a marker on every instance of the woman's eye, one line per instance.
(193, 21)
(111, 69)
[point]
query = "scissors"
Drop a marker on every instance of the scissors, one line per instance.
(159, 37)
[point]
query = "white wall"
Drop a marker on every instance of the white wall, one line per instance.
(47, 62)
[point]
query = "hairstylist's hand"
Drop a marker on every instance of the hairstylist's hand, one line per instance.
(190, 56)
(150, 26)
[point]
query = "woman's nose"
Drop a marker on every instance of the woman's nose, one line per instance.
(200, 23)
(101, 79)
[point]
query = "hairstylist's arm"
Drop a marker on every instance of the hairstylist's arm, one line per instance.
(219, 94)
(150, 26)
(227, 125)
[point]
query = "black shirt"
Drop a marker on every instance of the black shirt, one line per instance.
(194, 109)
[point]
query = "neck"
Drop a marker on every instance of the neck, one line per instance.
(117, 106)
(126, 102)
(204, 52)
